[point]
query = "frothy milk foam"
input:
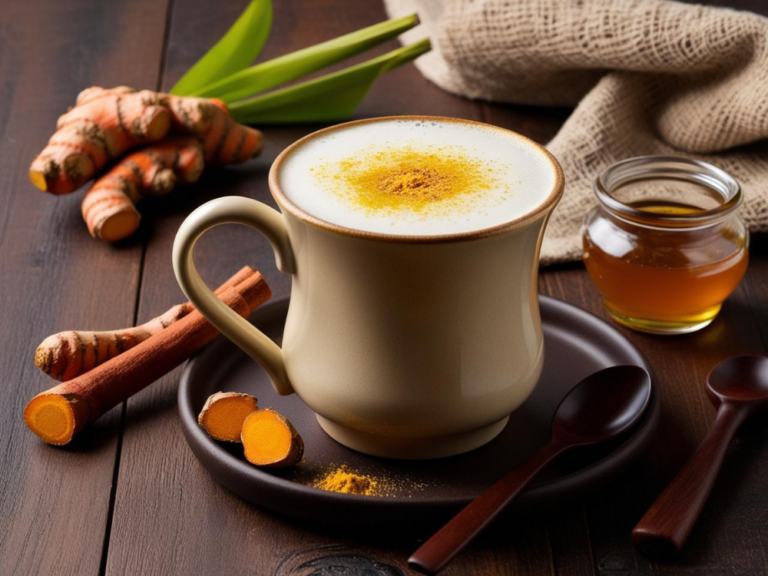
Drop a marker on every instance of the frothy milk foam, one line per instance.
(506, 178)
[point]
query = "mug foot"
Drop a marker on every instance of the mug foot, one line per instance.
(411, 448)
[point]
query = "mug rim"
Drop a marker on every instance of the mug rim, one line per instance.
(541, 209)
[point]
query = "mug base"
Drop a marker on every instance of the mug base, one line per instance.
(411, 448)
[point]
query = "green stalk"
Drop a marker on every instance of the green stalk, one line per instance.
(237, 49)
(262, 77)
(330, 98)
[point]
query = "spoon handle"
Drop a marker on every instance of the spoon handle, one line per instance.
(452, 538)
(663, 530)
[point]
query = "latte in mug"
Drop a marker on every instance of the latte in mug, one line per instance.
(413, 329)
(416, 177)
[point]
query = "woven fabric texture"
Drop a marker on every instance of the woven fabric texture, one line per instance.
(645, 77)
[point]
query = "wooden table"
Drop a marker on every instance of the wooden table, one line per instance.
(128, 497)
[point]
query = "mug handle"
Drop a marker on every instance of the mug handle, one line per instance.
(234, 210)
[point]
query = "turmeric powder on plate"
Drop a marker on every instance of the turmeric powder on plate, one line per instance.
(342, 480)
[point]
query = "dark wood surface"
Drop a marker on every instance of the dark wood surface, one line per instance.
(128, 497)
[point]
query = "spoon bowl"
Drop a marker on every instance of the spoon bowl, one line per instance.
(602, 406)
(740, 380)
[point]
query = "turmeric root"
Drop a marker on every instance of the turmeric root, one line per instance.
(58, 414)
(224, 413)
(66, 355)
(102, 125)
(105, 123)
(270, 441)
(224, 140)
(109, 207)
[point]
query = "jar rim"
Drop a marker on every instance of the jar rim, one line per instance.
(668, 168)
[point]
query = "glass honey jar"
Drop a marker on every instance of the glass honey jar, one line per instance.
(665, 246)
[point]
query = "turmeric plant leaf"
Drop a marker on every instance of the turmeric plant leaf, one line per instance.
(330, 98)
(273, 73)
(236, 50)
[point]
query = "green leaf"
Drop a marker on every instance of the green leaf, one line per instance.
(236, 50)
(262, 77)
(330, 98)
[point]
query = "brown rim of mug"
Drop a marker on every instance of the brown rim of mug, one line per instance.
(286, 204)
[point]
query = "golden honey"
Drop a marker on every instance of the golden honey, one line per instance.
(665, 264)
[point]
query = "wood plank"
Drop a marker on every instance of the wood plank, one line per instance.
(55, 502)
(170, 517)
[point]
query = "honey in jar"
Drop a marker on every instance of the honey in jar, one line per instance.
(665, 246)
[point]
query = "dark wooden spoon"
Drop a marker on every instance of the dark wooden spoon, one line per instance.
(739, 386)
(597, 409)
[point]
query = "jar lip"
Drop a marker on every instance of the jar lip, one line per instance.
(668, 168)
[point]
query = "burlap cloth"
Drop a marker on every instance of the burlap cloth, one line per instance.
(646, 77)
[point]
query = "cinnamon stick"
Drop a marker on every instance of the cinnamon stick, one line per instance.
(58, 414)
(69, 354)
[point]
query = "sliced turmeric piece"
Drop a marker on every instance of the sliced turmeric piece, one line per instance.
(56, 418)
(270, 441)
(224, 413)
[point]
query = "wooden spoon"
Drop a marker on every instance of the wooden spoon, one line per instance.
(597, 409)
(739, 386)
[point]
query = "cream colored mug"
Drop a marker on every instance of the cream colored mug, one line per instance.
(404, 347)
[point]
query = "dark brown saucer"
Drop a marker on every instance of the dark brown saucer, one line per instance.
(418, 492)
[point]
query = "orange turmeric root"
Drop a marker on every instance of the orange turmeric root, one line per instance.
(224, 140)
(57, 415)
(67, 355)
(102, 125)
(224, 413)
(270, 441)
(109, 207)
(106, 123)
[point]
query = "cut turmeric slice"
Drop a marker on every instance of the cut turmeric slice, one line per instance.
(270, 441)
(224, 413)
(56, 418)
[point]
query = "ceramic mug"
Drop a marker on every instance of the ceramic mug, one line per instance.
(404, 347)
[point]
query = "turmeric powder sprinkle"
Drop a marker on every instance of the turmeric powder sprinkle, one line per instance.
(407, 178)
(346, 482)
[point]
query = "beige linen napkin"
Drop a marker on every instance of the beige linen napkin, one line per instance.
(646, 77)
